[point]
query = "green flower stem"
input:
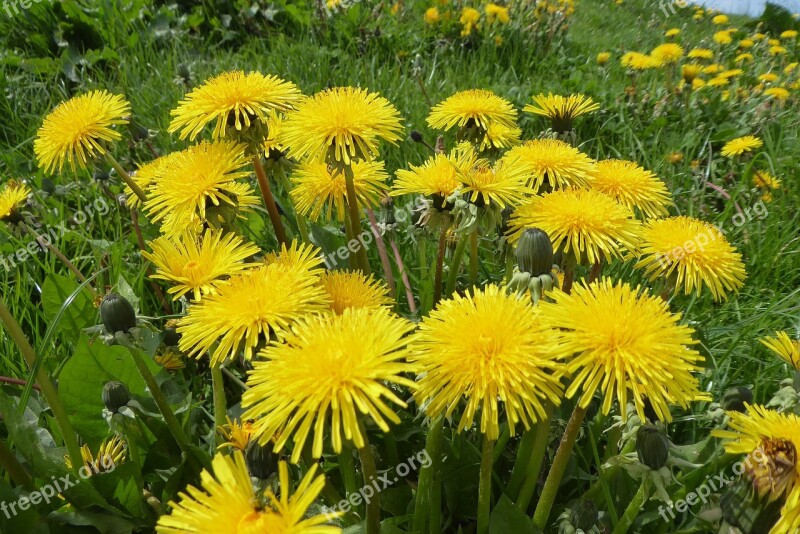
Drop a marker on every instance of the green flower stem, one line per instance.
(161, 401)
(370, 473)
(524, 451)
(606, 475)
(535, 463)
(126, 177)
(382, 253)
(355, 218)
(560, 462)
(220, 406)
(633, 509)
(455, 265)
(46, 387)
(485, 486)
(473, 259)
(428, 478)
(269, 201)
(302, 226)
(15, 469)
(437, 277)
(347, 470)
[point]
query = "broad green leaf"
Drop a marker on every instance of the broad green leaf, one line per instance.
(80, 314)
(506, 517)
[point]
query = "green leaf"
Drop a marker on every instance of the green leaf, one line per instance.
(506, 517)
(78, 315)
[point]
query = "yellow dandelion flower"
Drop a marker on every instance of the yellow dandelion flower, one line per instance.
(561, 110)
(723, 37)
(170, 359)
(320, 190)
(768, 77)
(248, 309)
(226, 503)
(431, 15)
(638, 61)
(603, 57)
(764, 180)
(667, 53)
(790, 67)
(698, 83)
(341, 124)
(713, 69)
(110, 455)
(759, 36)
(551, 162)
(778, 93)
(195, 180)
(347, 289)
(777, 50)
(474, 107)
(731, 73)
(693, 252)
(744, 57)
(675, 157)
(271, 144)
(146, 175)
(720, 20)
(761, 433)
(700, 53)
(302, 256)
(232, 99)
(236, 434)
(499, 135)
(690, 72)
(788, 34)
(76, 131)
(484, 348)
(626, 343)
(740, 145)
(746, 43)
(672, 32)
(13, 195)
(495, 12)
(585, 223)
(469, 16)
(330, 369)
(503, 183)
(785, 347)
(718, 81)
(438, 177)
(198, 264)
(632, 186)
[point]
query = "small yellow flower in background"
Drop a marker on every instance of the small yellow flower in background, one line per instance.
(764, 180)
(773, 42)
(731, 73)
(498, 40)
(495, 12)
(768, 77)
(395, 8)
(432, 15)
(692, 252)
(109, 456)
(789, 34)
(298, 256)
(698, 83)
(347, 289)
(603, 57)
(473, 107)
(469, 20)
(667, 53)
(746, 43)
(13, 195)
(790, 67)
(332, 370)
(561, 110)
(320, 190)
(690, 72)
(170, 359)
(718, 81)
(626, 343)
(342, 124)
(232, 99)
(744, 57)
(785, 347)
(250, 307)
(76, 131)
(483, 349)
(778, 93)
(672, 32)
(639, 61)
(198, 264)
(236, 434)
(758, 36)
(698, 15)
(632, 186)
(740, 145)
(552, 163)
(226, 502)
(700, 53)
(723, 37)
(675, 157)
(719, 20)
(777, 50)
(587, 224)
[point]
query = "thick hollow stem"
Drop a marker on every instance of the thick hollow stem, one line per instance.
(427, 477)
(560, 462)
(437, 277)
(412, 305)
(455, 265)
(269, 201)
(382, 254)
(370, 476)
(355, 218)
(633, 510)
(220, 406)
(485, 486)
(535, 463)
(473, 259)
(126, 177)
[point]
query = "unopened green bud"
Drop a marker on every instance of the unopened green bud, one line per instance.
(117, 314)
(652, 446)
(535, 252)
(735, 398)
(115, 396)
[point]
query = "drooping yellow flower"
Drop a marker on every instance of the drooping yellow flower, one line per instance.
(731, 73)
(740, 145)
(638, 61)
(785, 347)
(763, 434)
(330, 370)
(585, 223)
(667, 53)
(201, 179)
(77, 130)
(248, 309)
(236, 434)
(198, 264)
(347, 289)
(341, 124)
(432, 15)
(12, 197)
(474, 107)
(603, 57)
(764, 180)
(694, 253)
(226, 503)
(626, 343)
(110, 455)
(551, 163)
(320, 190)
(501, 183)
(700, 53)
(778, 93)
(788, 69)
(232, 99)
(561, 110)
(170, 358)
(632, 186)
(690, 72)
(483, 349)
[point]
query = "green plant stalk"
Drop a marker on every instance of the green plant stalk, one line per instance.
(46, 387)
(347, 470)
(560, 462)
(535, 463)
(633, 509)
(302, 226)
(370, 474)
(15, 469)
(521, 462)
(436, 476)
(427, 478)
(597, 486)
(126, 177)
(355, 218)
(473, 260)
(437, 277)
(455, 265)
(161, 401)
(269, 201)
(220, 406)
(485, 486)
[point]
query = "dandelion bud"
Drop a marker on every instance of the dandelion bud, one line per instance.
(115, 396)
(117, 314)
(534, 252)
(416, 136)
(735, 398)
(652, 446)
